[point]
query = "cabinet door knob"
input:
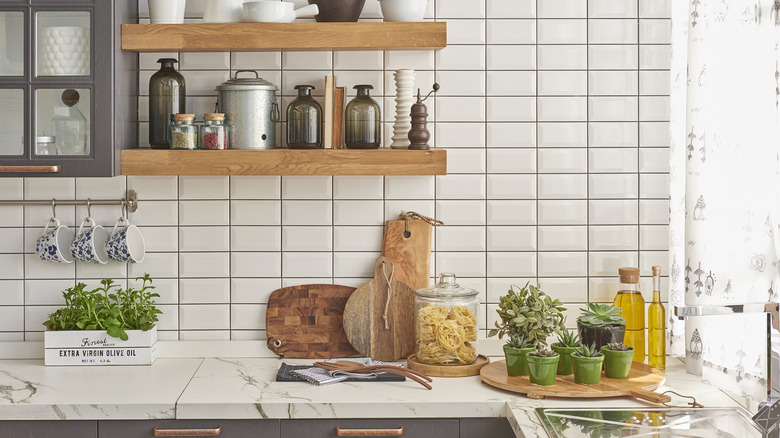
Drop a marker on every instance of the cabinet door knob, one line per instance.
(187, 432)
(30, 169)
(370, 432)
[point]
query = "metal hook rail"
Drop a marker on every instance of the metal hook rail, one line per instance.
(130, 202)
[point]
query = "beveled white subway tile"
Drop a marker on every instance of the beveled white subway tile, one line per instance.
(607, 263)
(357, 238)
(204, 61)
(13, 292)
(654, 160)
(414, 59)
(247, 316)
(568, 290)
(357, 60)
(255, 239)
(204, 316)
(465, 31)
(255, 187)
(613, 212)
(157, 264)
(612, 160)
(460, 57)
(603, 290)
(256, 60)
(466, 264)
(654, 134)
(562, 83)
(655, 8)
(255, 212)
(204, 239)
(350, 78)
(613, 83)
(354, 264)
(37, 215)
(654, 186)
(201, 82)
(654, 82)
(169, 320)
(48, 188)
(613, 238)
(460, 187)
(99, 272)
(306, 187)
(611, 9)
(654, 108)
(654, 211)
(460, 212)
(307, 60)
(358, 186)
(612, 57)
(654, 237)
(12, 240)
(461, 83)
(98, 188)
(465, 161)
(460, 239)
(563, 161)
(256, 264)
(307, 264)
(563, 57)
(204, 290)
(648, 259)
(562, 9)
(409, 187)
(511, 83)
(566, 135)
(45, 292)
(655, 31)
(203, 187)
(566, 238)
(460, 8)
(502, 57)
(252, 290)
(511, 161)
(613, 109)
(154, 187)
(563, 264)
(570, 186)
(301, 238)
(613, 186)
(167, 288)
(511, 264)
(612, 31)
(204, 212)
(570, 31)
(357, 212)
(394, 208)
(213, 264)
(155, 213)
(655, 57)
(512, 135)
(450, 135)
(497, 287)
(510, 9)
(148, 61)
(12, 189)
(508, 238)
(12, 319)
(511, 212)
(608, 134)
(316, 78)
(33, 317)
(511, 109)
(307, 212)
(552, 212)
(460, 109)
(508, 31)
(202, 335)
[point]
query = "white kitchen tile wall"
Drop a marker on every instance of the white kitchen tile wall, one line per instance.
(555, 116)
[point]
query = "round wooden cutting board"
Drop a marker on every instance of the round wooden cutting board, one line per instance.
(443, 370)
(640, 384)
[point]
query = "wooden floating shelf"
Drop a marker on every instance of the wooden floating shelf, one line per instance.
(245, 37)
(284, 162)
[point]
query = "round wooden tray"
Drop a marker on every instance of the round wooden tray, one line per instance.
(442, 370)
(640, 383)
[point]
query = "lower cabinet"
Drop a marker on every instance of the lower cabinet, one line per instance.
(485, 428)
(424, 428)
(48, 429)
(189, 428)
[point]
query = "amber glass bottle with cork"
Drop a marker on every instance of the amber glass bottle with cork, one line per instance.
(632, 307)
(656, 326)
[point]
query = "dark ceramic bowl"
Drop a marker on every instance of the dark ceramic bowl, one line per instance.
(338, 10)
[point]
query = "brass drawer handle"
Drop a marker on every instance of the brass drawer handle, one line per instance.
(187, 432)
(29, 169)
(370, 432)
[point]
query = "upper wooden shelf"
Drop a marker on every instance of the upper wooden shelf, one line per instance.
(248, 37)
(284, 162)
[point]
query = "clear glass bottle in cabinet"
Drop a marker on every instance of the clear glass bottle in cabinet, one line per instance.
(69, 125)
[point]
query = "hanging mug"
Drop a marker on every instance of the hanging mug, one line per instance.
(53, 245)
(90, 244)
(126, 244)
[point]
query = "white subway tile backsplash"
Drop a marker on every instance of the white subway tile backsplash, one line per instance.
(606, 264)
(510, 9)
(465, 32)
(255, 212)
(154, 187)
(466, 264)
(306, 60)
(511, 161)
(256, 264)
(48, 188)
(613, 57)
(460, 109)
(13, 240)
(99, 272)
(307, 264)
(212, 264)
(12, 189)
(307, 212)
(654, 108)
(466, 161)
(157, 265)
(553, 212)
(12, 319)
(563, 238)
(358, 238)
(307, 187)
(13, 293)
(453, 135)
(203, 61)
(394, 208)
(562, 31)
(307, 238)
(612, 31)
(654, 134)
(514, 212)
(252, 290)
(607, 134)
(511, 264)
(653, 211)
(204, 316)
(460, 239)
(460, 8)
(562, 161)
(461, 57)
(561, 109)
(204, 212)
(511, 109)
(613, 212)
(613, 238)
(356, 265)
(204, 239)
(654, 160)
(612, 9)
(203, 187)
(654, 186)
(358, 187)
(562, 9)
(155, 213)
(562, 83)
(654, 82)
(624, 82)
(613, 186)
(654, 237)
(414, 59)
(613, 109)
(563, 264)
(204, 290)
(655, 31)
(498, 58)
(460, 83)
(357, 212)
(460, 187)
(503, 238)
(656, 57)
(511, 83)
(511, 31)
(97, 188)
(569, 186)
(567, 135)
(247, 316)
(409, 187)
(612, 160)
(267, 238)
(563, 57)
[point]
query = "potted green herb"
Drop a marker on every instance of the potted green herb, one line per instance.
(528, 316)
(617, 360)
(587, 362)
(601, 324)
(107, 325)
(568, 340)
(542, 367)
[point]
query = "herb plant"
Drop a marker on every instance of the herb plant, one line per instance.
(530, 313)
(568, 338)
(108, 308)
(617, 346)
(587, 351)
(600, 315)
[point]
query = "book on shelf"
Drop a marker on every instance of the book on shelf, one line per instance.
(327, 131)
(338, 117)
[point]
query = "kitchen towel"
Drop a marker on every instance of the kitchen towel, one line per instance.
(292, 373)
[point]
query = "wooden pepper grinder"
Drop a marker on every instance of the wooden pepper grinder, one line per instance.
(419, 134)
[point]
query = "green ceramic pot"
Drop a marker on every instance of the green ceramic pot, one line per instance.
(564, 365)
(617, 364)
(541, 370)
(516, 364)
(587, 370)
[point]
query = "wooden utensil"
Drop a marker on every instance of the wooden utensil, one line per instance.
(306, 321)
(407, 243)
(447, 370)
(640, 384)
(354, 367)
(379, 315)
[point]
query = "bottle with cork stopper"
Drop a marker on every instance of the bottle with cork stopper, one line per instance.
(656, 326)
(632, 307)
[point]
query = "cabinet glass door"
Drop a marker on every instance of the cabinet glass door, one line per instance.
(65, 115)
(63, 43)
(12, 122)
(11, 43)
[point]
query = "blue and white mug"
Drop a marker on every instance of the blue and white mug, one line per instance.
(90, 244)
(52, 246)
(126, 244)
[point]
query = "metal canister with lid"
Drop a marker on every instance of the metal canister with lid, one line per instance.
(250, 108)
(446, 322)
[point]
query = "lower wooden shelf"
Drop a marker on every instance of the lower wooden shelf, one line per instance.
(284, 162)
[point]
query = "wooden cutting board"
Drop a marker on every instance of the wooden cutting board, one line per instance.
(306, 321)
(364, 320)
(410, 253)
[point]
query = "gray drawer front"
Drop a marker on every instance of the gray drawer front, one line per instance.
(48, 429)
(412, 428)
(485, 427)
(230, 428)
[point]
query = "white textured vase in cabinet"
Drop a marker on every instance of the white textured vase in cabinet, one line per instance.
(64, 51)
(404, 84)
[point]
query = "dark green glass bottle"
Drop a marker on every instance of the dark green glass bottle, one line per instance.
(362, 119)
(304, 120)
(167, 96)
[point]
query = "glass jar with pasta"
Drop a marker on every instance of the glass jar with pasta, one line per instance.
(446, 323)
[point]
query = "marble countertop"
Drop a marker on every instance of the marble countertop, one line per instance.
(246, 388)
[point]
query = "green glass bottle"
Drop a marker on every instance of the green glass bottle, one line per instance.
(656, 326)
(362, 119)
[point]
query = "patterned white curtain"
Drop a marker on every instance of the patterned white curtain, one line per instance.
(725, 108)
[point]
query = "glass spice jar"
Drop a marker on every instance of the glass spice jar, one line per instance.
(304, 120)
(213, 132)
(362, 121)
(184, 134)
(446, 323)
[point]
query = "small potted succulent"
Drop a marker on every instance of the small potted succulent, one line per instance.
(568, 340)
(617, 360)
(527, 315)
(587, 361)
(542, 367)
(601, 324)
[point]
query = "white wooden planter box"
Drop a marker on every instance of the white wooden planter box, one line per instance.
(95, 347)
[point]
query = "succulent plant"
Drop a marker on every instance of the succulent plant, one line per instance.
(600, 315)
(568, 338)
(544, 353)
(588, 351)
(518, 341)
(618, 346)
(530, 313)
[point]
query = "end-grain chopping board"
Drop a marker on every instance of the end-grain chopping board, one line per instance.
(306, 321)
(364, 315)
(411, 253)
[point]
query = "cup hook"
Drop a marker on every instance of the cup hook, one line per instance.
(89, 207)
(53, 208)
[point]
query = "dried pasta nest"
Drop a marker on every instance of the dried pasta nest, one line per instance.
(444, 335)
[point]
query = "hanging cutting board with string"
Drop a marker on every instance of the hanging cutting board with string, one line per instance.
(379, 315)
(407, 244)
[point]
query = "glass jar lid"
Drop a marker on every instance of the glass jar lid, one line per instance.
(45, 139)
(446, 288)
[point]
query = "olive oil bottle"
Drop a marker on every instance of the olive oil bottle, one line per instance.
(656, 326)
(632, 307)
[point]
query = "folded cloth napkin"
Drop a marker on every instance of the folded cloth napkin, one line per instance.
(318, 376)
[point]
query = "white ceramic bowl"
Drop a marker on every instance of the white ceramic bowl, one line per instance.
(403, 10)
